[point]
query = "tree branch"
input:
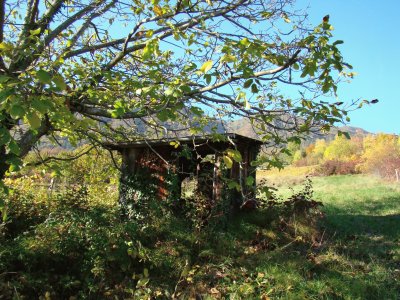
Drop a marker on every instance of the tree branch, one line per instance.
(30, 138)
(233, 78)
(69, 158)
(68, 22)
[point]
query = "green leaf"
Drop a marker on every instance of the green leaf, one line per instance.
(17, 111)
(185, 88)
(43, 76)
(4, 78)
(249, 180)
(234, 185)
(35, 32)
(33, 120)
(197, 111)
(208, 78)
(345, 133)
(248, 83)
(228, 58)
(4, 214)
(206, 66)
(146, 272)
(147, 52)
(59, 82)
(228, 161)
(163, 115)
(245, 42)
(169, 92)
(4, 94)
(118, 112)
(14, 148)
(4, 136)
(41, 106)
(4, 189)
(254, 89)
(235, 154)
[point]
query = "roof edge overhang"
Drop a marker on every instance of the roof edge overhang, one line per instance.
(232, 138)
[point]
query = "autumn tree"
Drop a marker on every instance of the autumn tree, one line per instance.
(381, 155)
(67, 68)
(342, 148)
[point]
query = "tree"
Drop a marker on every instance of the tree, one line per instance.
(317, 153)
(381, 155)
(342, 148)
(67, 68)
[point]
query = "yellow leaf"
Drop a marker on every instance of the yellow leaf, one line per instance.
(247, 105)
(206, 66)
(214, 291)
(5, 47)
(158, 10)
(228, 161)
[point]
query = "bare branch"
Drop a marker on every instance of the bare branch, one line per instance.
(56, 158)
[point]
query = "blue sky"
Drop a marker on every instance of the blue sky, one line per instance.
(371, 32)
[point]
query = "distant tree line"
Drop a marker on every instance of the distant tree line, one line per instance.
(375, 154)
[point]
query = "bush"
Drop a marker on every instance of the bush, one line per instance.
(21, 212)
(69, 249)
(337, 167)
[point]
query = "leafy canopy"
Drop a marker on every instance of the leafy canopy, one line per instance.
(68, 68)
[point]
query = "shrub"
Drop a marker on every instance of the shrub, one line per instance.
(337, 167)
(22, 212)
(70, 249)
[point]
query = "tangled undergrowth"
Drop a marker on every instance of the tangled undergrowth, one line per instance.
(67, 247)
(70, 247)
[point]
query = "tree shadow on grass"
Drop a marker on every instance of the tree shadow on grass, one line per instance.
(366, 237)
(387, 226)
(370, 218)
(358, 258)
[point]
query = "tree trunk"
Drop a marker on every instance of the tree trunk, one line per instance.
(3, 165)
(25, 144)
(128, 168)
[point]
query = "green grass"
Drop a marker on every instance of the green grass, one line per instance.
(360, 258)
(352, 252)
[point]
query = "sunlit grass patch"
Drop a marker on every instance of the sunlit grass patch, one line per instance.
(287, 176)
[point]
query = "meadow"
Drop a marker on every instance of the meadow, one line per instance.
(73, 247)
(361, 225)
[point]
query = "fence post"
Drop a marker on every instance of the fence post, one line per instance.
(397, 174)
(51, 186)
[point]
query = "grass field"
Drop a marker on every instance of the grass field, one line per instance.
(86, 251)
(361, 255)
(353, 252)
